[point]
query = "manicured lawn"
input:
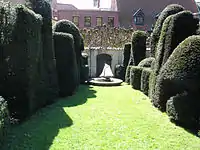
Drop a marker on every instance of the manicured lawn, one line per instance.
(101, 118)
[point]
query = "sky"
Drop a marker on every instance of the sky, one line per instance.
(84, 4)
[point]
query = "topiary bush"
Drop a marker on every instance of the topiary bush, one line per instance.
(135, 77)
(120, 70)
(146, 62)
(20, 77)
(126, 54)
(67, 26)
(65, 63)
(171, 35)
(183, 109)
(4, 120)
(138, 46)
(49, 75)
(127, 76)
(146, 72)
(169, 10)
(180, 73)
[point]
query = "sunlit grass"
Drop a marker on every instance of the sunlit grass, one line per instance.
(101, 118)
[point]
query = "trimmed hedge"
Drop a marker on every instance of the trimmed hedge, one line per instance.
(145, 80)
(183, 109)
(20, 77)
(127, 76)
(4, 120)
(169, 10)
(126, 54)
(67, 26)
(146, 62)
(180, 73)
(135, 77)
(65, 63)
(49, 75)
(172, 34)
(138, 46)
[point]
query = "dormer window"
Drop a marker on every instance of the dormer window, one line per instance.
(138, 17)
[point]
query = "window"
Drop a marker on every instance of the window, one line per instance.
(99, 21)
(87, 21)
(75, 20)
(111, 21)
(139, 20)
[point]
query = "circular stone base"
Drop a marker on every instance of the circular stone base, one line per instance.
(103, 82)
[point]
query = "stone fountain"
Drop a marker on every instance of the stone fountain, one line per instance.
(106, 78)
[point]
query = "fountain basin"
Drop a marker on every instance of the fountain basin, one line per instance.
(105, 82)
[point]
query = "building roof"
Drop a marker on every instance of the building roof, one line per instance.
(150, 8)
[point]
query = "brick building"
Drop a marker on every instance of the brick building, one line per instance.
(138, 14)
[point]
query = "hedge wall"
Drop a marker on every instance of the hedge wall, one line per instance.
(146, 72)
(135, 77)
(4, 120)
(180, 73)
(67, 26)
(43, 7)
(146, 62)
(20, 77)
(138, 46)
(65, 63)
(127, 76)
(169, 10)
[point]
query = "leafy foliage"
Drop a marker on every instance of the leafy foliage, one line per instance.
(43, 7)
(169, 10)
(65, 63)
(67, 26)
(138, 46)
(127, 76)
(147, 62)
(4, 120)
(135, 77)
(180, 73)
(145, 80)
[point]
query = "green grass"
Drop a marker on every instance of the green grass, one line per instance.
(101, 118)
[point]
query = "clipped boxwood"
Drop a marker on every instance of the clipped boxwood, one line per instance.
(169, 10)
(67, 26)
(4, 120)
(21, 65)
(126, 54)
(146, 62)
(65, 63)
(138, 46)
(184, 110)
(43, 7)
(127, 76)
(180, 73)
(146, 72)
(172, 34)
(135, 77)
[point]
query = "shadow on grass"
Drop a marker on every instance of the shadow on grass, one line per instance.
(84, 92)
(40, 130)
